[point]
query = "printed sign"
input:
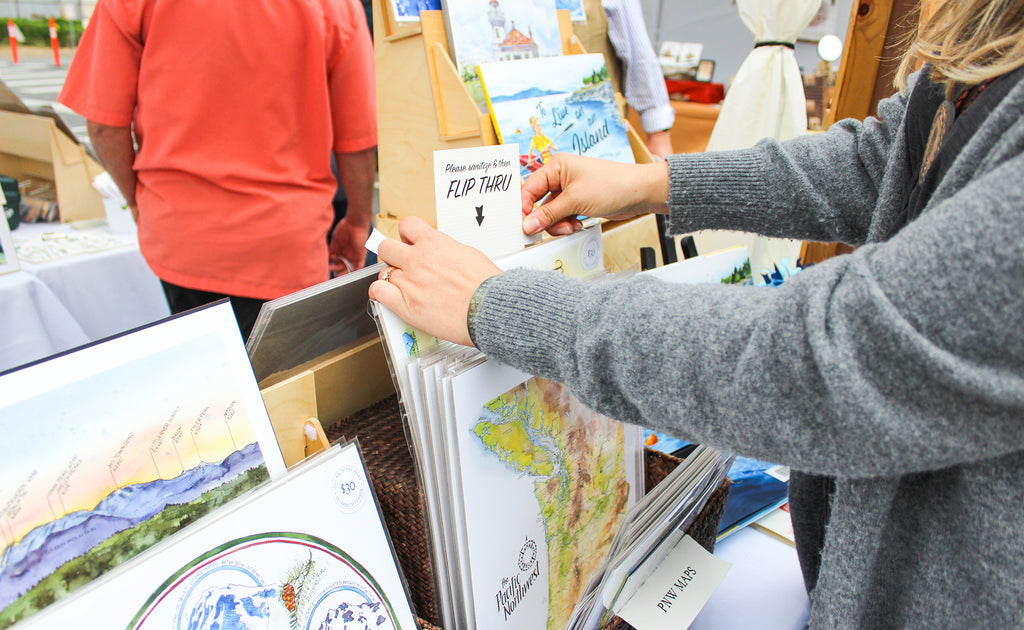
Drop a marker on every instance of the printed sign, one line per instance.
(479, 198)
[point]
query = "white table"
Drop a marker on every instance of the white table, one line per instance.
(763, 589)
(107, 292)
(33, 322)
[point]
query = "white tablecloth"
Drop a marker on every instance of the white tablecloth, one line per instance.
(33, 322)
(107, 292)
(75, 300)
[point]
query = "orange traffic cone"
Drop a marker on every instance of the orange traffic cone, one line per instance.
(12, 31)
(54, 43)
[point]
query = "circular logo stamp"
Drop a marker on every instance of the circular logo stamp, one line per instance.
(590, 253)
(527, 555)
(349, 488)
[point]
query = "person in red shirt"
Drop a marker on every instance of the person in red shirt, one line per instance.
(217, 122)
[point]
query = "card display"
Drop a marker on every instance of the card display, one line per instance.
(525, 484)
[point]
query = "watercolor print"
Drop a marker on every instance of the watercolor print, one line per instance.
(129, 455)
(481, 31)
(281, 580)
(409, 10)
(556, 104)
(575, 9)
(545, 479)
(306, 551)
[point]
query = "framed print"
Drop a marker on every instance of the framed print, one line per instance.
(705, 70)
(823, 23)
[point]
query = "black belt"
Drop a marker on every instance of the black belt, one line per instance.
(789, 45)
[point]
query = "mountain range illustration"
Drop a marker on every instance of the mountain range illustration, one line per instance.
(49, 546)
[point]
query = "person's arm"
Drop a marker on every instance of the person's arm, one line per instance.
(644, 82)
(350, 83)
(901, 357)
(356, 172)
(822, 187)
(115, 148)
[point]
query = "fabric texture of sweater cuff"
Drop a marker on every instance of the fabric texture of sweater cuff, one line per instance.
(474, 305)
(716, 190)
(522, 315)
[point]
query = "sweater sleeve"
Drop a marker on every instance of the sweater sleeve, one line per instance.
(821, 187)
(901, 357)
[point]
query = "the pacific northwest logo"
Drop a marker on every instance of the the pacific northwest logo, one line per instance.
(514, 588)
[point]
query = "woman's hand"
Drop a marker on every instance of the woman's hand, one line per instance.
(430, 279)
(591, 188)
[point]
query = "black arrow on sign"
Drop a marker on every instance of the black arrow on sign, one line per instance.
(479, 215)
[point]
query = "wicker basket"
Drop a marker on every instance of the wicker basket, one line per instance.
(381, 435)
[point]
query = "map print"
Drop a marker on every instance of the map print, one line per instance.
(576, 460)
(270, 581)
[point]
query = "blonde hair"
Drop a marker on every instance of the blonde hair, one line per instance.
(967, 42)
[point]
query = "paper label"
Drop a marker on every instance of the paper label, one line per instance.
(677, 590)
(478, 198)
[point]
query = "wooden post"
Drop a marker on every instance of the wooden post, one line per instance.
(874, 42)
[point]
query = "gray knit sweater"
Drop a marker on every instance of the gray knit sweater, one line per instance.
(899, 369)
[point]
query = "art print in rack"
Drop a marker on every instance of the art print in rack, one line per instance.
(409, 10)
(545, 483)
(481, 31)
(556, 104)
(307, 551)
(111, 448)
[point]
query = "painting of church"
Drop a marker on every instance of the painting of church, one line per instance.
(510, 44)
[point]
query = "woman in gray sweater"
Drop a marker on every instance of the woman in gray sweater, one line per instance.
(891, 379)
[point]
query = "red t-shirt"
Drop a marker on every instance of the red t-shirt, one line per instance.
(236, 106)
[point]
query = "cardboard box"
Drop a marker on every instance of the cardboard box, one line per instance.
(31, 146)
(40, 146)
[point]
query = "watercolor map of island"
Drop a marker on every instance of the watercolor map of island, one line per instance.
(147, 447)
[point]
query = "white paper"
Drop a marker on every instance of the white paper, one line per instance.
(374, 240)
(478, 195)
(119, 216)
(673, 595)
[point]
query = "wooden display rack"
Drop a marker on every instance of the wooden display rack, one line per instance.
(423, 106)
